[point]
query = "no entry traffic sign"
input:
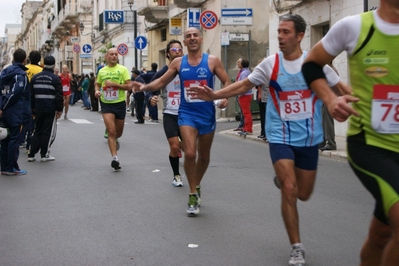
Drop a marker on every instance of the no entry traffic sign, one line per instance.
(208, 19)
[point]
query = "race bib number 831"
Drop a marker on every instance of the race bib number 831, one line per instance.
(295, 105)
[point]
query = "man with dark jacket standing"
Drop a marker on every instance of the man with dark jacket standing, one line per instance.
(15, 108)
(47, 104)
(91, 91)
(139, 98)
(147, 77)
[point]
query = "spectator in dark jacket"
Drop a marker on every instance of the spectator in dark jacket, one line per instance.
(139, 98)
(47, 104)
(15, 107)
(147, 77)
(91, 90)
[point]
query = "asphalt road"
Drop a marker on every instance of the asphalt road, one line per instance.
(78, 211)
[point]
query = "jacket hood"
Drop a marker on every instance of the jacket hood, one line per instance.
(15, 68)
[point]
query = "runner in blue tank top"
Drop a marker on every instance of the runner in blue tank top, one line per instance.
(196, 117)
(293, 125)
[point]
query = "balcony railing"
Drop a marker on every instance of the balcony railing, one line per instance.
(155, 12)
(68, 16)
(188, 3)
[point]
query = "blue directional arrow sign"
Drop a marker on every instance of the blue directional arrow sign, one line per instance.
(87, 48)
(236, 16)
(140, 42)
(237, 12)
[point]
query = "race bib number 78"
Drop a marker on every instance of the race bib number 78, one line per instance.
(385, 109)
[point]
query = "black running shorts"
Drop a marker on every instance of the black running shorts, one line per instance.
(118, 109)
(378, 170)
(171, 126)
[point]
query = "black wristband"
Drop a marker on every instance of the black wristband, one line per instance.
(312, 71)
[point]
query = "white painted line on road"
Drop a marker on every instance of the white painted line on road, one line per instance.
(80, 121)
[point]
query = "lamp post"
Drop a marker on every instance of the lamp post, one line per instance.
(130, 3)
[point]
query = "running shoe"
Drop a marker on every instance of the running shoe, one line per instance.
(20, 172)
(177, 182)
(277, 182)
(115, 164)
(47, 158)
(31, 159)
(65, 117)
(106, 134)
(128, 109)
(117, 145)
(198, 188)
(297, 255)
(193, 208)
(8, 173)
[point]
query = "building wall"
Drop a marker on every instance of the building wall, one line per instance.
(254, 49)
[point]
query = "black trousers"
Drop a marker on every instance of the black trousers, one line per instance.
(139, 105)
(262, 112)
(93, 101)
(44, 134)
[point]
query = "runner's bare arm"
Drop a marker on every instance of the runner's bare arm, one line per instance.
(166, 78)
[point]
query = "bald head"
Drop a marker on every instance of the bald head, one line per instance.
(111, 57)
(192, 30)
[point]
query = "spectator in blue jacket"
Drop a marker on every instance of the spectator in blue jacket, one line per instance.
(16, 111)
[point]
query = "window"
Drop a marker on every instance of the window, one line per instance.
(163, 35)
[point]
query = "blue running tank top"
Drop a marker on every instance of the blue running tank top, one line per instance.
(293, 112)
(192, 76)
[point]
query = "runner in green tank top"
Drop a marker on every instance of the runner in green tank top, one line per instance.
(371, 41)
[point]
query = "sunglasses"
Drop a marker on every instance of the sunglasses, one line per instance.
(177, 50)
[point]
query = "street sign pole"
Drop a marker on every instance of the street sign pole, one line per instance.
(135, 36)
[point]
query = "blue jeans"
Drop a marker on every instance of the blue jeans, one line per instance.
(85, 99)
(71, 99)
(10, 148)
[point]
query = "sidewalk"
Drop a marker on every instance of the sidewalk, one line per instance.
(339, 154)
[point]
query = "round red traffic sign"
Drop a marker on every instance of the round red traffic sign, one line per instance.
(122, 49)
(76, 48)
(208, 19)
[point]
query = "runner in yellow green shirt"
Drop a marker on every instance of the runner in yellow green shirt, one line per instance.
(112, 82)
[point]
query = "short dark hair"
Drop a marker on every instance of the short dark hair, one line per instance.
(35, 57)
(154, 66)
(299, 22)
(244, 62)
(19, 55)
(169, 44)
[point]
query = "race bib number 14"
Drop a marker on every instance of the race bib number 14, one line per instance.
(295, 105)
(385, 109)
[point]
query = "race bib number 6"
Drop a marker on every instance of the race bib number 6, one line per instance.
(385, 109)
(295, 105)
